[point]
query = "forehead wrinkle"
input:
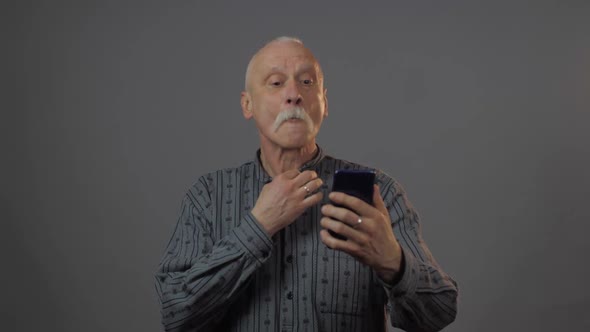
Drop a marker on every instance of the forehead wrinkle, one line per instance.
(301, 69)
(265, 55)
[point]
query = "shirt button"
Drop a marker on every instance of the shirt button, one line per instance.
(289, 259)
(290, 295)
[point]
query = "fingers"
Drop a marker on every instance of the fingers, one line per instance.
(354, 216)
(307, 181)
(352, 203)
(290, 174)
(313, 199)
(346, 223)
(303, 184)
(299, 177)
(342, 215)
(351, 246)
(311, 187)
(305, 177)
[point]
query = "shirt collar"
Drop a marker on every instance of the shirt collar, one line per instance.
(263, 176)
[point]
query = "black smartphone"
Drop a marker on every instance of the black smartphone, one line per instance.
(357, 183)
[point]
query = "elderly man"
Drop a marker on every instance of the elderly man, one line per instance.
(252, 252)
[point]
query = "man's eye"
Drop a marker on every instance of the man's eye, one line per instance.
(307, 82)
(276, 83)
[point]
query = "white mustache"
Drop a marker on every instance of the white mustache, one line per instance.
(292, 113)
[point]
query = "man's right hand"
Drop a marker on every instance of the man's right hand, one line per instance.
(285, 198)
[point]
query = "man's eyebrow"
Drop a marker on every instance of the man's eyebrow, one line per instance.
(275, 70)
(307, 67)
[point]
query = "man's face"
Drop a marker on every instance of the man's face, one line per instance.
(284, 76)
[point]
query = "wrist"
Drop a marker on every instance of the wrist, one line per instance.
(264, 223)
(393, 273)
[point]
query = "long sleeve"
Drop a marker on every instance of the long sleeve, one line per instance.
(199, 275)
(425, 297)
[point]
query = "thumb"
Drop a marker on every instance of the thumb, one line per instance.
(378, 200)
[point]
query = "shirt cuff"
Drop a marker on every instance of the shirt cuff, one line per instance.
(253, 238)
(407, 283)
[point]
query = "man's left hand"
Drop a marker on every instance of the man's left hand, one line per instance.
(370, 238)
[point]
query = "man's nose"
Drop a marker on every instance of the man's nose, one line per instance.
(292, 95)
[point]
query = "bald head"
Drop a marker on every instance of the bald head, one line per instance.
(277, 46)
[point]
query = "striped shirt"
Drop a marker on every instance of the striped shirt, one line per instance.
(222, 272)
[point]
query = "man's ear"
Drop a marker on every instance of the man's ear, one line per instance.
(325, 103)
(246, 103)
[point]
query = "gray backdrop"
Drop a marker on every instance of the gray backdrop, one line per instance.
(112, 109)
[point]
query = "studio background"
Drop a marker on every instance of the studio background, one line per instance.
(112, 109)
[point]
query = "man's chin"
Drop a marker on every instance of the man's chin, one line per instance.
(291, 137)
(292, 143)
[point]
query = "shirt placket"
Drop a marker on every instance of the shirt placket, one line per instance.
(288, 293)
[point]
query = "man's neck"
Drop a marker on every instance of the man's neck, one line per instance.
(277, 160)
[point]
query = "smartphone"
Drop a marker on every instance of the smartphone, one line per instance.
(357, 183)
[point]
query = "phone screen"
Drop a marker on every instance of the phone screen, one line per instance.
(357, 183)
